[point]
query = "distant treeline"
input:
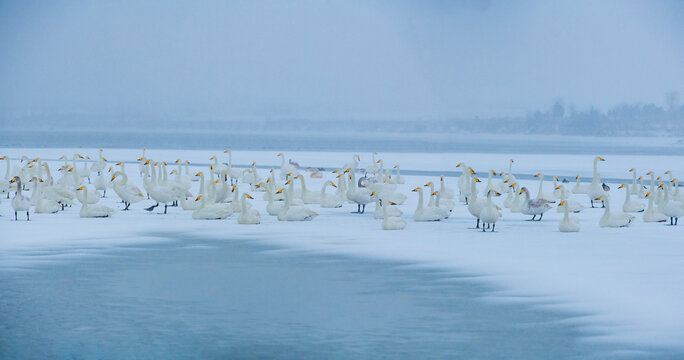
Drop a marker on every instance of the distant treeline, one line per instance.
(621, 120)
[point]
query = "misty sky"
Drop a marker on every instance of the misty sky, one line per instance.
(232, 59)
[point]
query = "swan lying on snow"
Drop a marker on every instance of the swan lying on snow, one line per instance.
(391, 222)
(611, 219)
(569, 223)
(430, 213)
(631, 206)
(247, 215)
(95, 210)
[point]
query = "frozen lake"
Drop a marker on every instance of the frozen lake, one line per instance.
(191, 298)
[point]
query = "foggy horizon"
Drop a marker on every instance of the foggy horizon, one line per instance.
(367, 60)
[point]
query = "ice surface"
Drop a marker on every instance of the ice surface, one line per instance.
(628, 283)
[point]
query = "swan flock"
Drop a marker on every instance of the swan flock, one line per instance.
(221, 190)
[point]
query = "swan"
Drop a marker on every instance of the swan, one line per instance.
(464, 182)
(308, 197)
(534, 207)
(595, 189)
(102, 182)
(183, 178)
(286, 169)
(84, 172)
(390, 222)
(519, 200)
(511, 197)
(427, 213)
(490, 185)
(399, 179)
(579, 188)
(330, 200)
(634, 188)
(354, 164)
(20, 202)
(216, 168)
(373, 168)
(251, 176)
(248, 216)
(445, 191)
(5, 185)
(141, 162)
(572, 205)
(677, 195)
(275, 207)
(569, 223)
(610, 219)
(159, 193)
(295, 212)
(93, 211)
(445, 205)
(550, 197)
(99, 165)
(509, 178)
(43, 205)
(652, 214)
(209, 211)
(380, 208)
(475, 204)
(57, 192)
(360, 196)
(671, 208)
(234, 174)
(642, 188)
(489, 214)
(129, 193)
(630, 206)
(194, 204)
(93, 196)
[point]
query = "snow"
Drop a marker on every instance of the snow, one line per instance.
(622, 285)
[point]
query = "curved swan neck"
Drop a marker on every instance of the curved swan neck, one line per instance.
(420, 199)
(627, 193)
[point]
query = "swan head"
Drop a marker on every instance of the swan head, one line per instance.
(141, 159)
(599, 198)
(333, 184)
(538, 175)
(649, 173)
(667, 172)
(512, 160)
(472, 172)
(555, 178)
(648, 194)
(621, 186)
(493, 172)
(459, 165)
(434, 193)
(477, 180)
(187, 162)
(14, 179)
(639, 178)
(512, 185)
(372, 193)
(632, 170)
(280, 154)
(428, 184)
(558, 187)
(379, 161)
(147, 162)
(601, 159)
(561, 203)
(226, 151)
(198, 174)
(249, 196)
(523, 190)
(288, 182)
(172, 172)
(212, 158)
(81, 188)
(279, 191)
(198, 197)
(113, 177)
(416, 189)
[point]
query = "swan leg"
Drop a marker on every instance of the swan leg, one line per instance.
(483, 228)
(493, 225)
(104, 193)
(165, 206)
(127, 205)
(676, 218)
(27, 215)
(592, 203)
(603, 204)
(540, 217)
(15, 216)
(363, 209)
(477, 226)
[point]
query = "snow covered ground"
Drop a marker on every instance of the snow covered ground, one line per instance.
(624, 285)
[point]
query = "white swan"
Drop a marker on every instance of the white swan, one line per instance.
(425, 213)
(489, 214)
(572, 205)
(83, 172)
(595, 189)
(398, 179)
(533, 207)
(99, 165)
(550, 197)
(129, 193)
(194, 204)
(329, 201)
(5, 185)
(44, 205)
(379, 208)
(247, 215)
(20, 202)
(275, 207)
(445, 191)
(508, 179)
(158, 192)
(233, 173)
(579, 188)
(652, 214)
(308, 197)
(569, 223)
(611, 219)
(354, 164)
(216, 168)
(634, 189)
(464, 182)
(390, 222)
(102, 182)
(669, 207)
(475, 204)
(92, 198)
(360, 196)
(631, 206)
(295, 212)
(286, 169)
(210, 211)
(93, 211)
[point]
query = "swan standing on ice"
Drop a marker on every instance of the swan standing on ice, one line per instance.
(5, 184)
(610, 219)
(595, 189)
(464, 182)
(390, 222)
(158, 192)
(489, 214)
(359, 196)
(20, 202)
(534, 207)
(99, 165)
(234, 174)
(129, 193)
(630, 206)
(569, 223)
(247, 215)
(93, 211)
(671, 208)
(509, 178)
(102, 182)
(475, 204)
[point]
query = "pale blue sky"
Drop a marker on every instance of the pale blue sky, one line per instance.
(231, 59)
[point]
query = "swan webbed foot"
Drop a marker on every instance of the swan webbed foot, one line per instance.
(152, 207)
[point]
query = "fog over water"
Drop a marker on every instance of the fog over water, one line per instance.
(181, 64)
